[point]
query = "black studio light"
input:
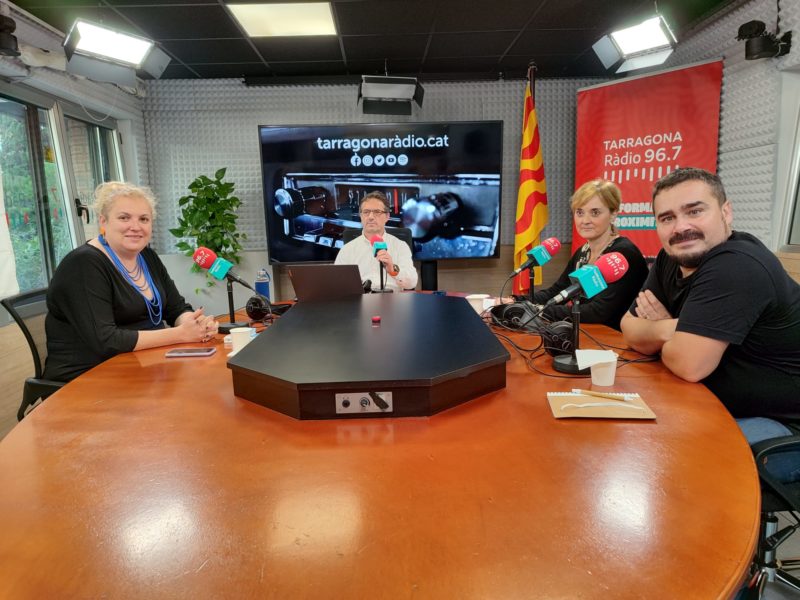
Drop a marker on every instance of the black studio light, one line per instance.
(641, 46)
(8, 42)
(762, 43)
(107, 55)
(386, 95)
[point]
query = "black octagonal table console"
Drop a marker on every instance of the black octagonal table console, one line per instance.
(330, 360)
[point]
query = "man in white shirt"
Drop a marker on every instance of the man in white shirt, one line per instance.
(400, 273)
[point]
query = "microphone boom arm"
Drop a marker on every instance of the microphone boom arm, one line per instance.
(229, 285)
(531, 278)
(569, 363)
(226, 327)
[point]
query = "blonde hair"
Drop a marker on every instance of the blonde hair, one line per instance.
(607, 191)
(106, 194)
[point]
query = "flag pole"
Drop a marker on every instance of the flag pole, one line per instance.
(531, 216)
(531, 80)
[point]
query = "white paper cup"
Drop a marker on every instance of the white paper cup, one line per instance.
(603, 373)
(240, 337)
(476, 301)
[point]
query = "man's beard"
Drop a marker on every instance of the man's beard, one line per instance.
(689, 261)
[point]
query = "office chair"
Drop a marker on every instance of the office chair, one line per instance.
(36, 387)
(772, 578)
(403, 233)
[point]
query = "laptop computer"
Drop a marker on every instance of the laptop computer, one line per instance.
(325, 282)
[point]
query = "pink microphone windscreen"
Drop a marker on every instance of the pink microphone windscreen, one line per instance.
(553, 245)
(204, 257)
(612, 266)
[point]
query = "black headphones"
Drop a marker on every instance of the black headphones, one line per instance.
(517, 315)
(258, 308)
(525, 316)
(557, 337)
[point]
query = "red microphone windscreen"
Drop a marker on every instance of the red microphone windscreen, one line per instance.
(204, 257)
(552, 245)
(612, 266)
(375, 239)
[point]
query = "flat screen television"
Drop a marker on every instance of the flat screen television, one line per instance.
(442, 181)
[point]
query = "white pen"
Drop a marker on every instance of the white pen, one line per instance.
(620, 396)
(617, 404)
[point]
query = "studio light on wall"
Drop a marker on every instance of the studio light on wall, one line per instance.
(103, 54)
(644, 45)
(8, 42)
(762, 43)
(385, 95)
(101, 42)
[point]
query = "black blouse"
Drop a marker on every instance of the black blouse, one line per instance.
(609, 306)
(94, 313)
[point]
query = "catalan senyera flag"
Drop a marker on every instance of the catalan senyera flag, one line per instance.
(532, 194)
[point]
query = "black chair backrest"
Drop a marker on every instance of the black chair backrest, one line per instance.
(402, 233)
(777, 495)
(37, 345)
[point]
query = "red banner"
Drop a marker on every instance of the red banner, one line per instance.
(633, 132)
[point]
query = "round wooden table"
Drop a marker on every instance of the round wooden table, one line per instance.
(147, 478)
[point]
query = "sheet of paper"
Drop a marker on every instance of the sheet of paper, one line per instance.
(587, 358)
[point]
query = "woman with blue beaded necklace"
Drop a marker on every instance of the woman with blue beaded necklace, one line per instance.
(113, 294)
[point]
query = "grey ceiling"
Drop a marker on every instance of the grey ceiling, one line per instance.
(432, 39)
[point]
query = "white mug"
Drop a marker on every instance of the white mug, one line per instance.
(603, 373)
(477, 302)
(240, 337)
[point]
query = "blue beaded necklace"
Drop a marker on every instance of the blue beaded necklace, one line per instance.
(154, 305)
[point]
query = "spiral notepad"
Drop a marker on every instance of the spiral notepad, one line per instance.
(571, 405)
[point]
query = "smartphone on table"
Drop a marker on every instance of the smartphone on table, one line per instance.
(178, 352)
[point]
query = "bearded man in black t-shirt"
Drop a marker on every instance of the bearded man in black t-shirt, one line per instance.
(719, 307)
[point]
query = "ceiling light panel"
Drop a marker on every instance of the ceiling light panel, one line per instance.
(270, 20)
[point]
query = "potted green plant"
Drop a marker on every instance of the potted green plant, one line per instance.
(208, 215)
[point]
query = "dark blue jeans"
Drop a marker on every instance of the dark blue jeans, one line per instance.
(784, 466)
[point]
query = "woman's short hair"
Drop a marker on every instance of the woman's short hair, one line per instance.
(607, 191)
(106, 193)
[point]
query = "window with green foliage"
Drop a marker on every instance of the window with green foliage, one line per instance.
(94, 159)
(33, 195)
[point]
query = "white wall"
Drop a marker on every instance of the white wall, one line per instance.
(214, 300)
